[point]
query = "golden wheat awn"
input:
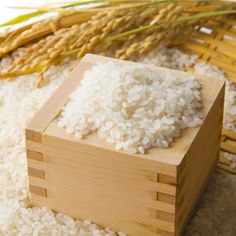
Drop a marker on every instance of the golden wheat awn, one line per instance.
(115, 20)
(123, 29)
(52, 46)
(170, 12)
(27, 34)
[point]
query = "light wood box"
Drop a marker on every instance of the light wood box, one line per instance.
(139, 194)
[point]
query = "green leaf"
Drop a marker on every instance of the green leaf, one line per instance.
(161, 24)
(25, 17)
(28, 16)
(22, 18)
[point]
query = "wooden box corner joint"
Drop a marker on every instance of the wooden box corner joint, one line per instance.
(36, 174)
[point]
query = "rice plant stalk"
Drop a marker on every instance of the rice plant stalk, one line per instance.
(119, 28)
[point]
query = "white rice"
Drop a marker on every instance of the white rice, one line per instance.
(19, 101)
(175, 59)
(132, 107)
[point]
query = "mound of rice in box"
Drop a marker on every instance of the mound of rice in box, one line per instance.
(132, 107)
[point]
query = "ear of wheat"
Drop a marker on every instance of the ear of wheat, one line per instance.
(120, 28)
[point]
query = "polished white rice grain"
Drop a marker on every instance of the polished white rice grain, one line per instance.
(132, 107)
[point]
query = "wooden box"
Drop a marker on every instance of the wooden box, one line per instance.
(139, 194)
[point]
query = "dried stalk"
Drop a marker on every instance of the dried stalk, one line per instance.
(117, 29)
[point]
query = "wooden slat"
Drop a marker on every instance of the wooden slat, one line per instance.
(229, 133)
(223, 160)
(224, 164)
(217, 47)
(223, 65)
(231, 76)
(227, 168)
(202, 50)
(220, 46)
(229, 145)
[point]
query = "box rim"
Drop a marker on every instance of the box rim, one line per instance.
(92, 57)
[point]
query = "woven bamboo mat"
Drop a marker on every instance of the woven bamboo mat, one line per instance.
(217, 45)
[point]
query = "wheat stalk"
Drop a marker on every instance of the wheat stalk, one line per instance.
(123, 29)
